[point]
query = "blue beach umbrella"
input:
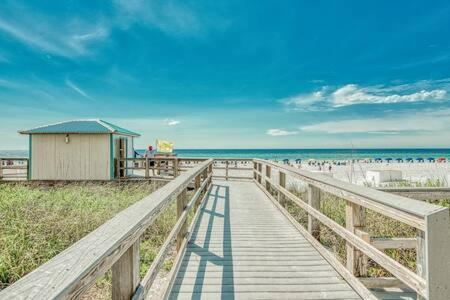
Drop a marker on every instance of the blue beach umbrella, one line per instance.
(388, 159)
(430, 159)
(409, 159)
(399, 159)
(286, 160)
(419, 159)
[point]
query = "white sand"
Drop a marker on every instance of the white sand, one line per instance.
(412, 172)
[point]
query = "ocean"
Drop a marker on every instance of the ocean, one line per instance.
(292, 154)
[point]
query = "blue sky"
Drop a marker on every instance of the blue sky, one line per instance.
(231, 74)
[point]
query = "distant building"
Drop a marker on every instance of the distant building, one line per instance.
(78, 150)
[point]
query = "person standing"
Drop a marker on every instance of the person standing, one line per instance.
(150, 154)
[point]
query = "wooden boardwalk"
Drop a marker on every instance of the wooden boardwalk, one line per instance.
(243, 247)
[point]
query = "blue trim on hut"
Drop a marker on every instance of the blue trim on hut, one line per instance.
(111, 157)
(29, 157)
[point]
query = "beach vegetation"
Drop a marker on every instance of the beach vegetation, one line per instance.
(38, 221)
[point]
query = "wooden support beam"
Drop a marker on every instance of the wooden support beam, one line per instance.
(125, 274)
(421, 259)
(147, 163)
(226, 170)
(314, 201)
(394, 243)
(259, 174)
(268, 175)
(382, 282)
(355, 221)
(181, 206)
(433, 260)
(175, 167)
(282, 183)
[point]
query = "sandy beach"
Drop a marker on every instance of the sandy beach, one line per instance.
(412, 173)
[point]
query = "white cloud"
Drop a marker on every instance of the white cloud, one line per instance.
(351, 94)
(77, 89)
(171, 122)
(305, 102)
(393, 124)
(280, 132)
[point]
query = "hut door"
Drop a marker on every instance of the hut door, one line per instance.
(121, 153)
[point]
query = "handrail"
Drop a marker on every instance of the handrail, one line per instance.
(115, 244)
(432, 222)
(407, 210)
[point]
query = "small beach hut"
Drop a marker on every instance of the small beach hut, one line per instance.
(78, 150)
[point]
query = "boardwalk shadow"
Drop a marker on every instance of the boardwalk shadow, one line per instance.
(205, 246)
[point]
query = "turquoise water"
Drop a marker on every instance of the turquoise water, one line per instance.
(320, 154)
(292, 154)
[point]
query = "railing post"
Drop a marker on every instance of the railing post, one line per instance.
(255, 168)
(125, 274)
(158, 167)
(197, 182)
(1, 169)
(355, 222)
(433, 261)
(181, 206)
(268, 174)
(314, 201)
(421, 260)
(226, 170)
(147, 163)
(282, 183)
(175, 167)
(260, 171)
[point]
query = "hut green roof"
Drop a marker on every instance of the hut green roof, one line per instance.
(81, 126)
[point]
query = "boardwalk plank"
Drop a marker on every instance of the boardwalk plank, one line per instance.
(243, 247)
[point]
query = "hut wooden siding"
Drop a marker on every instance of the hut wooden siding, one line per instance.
(85, 157)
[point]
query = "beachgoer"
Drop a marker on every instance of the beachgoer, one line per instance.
(150, 153)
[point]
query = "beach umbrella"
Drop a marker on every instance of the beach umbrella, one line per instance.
(286, 160)
(419, 159)
(298, 160)
(441, 159)
(399, 159)
(430, 159)
(409, 159)
(388, 159)
(378, 159)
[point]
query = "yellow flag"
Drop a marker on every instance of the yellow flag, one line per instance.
(164, 146)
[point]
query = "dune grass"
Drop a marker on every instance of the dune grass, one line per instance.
(39, 221)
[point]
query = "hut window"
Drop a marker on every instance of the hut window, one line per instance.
(67, 139)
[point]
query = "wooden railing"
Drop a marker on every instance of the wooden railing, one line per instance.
(115, 245)
(431, 281)
(233, 168)
(166, 168)
(13, 168)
